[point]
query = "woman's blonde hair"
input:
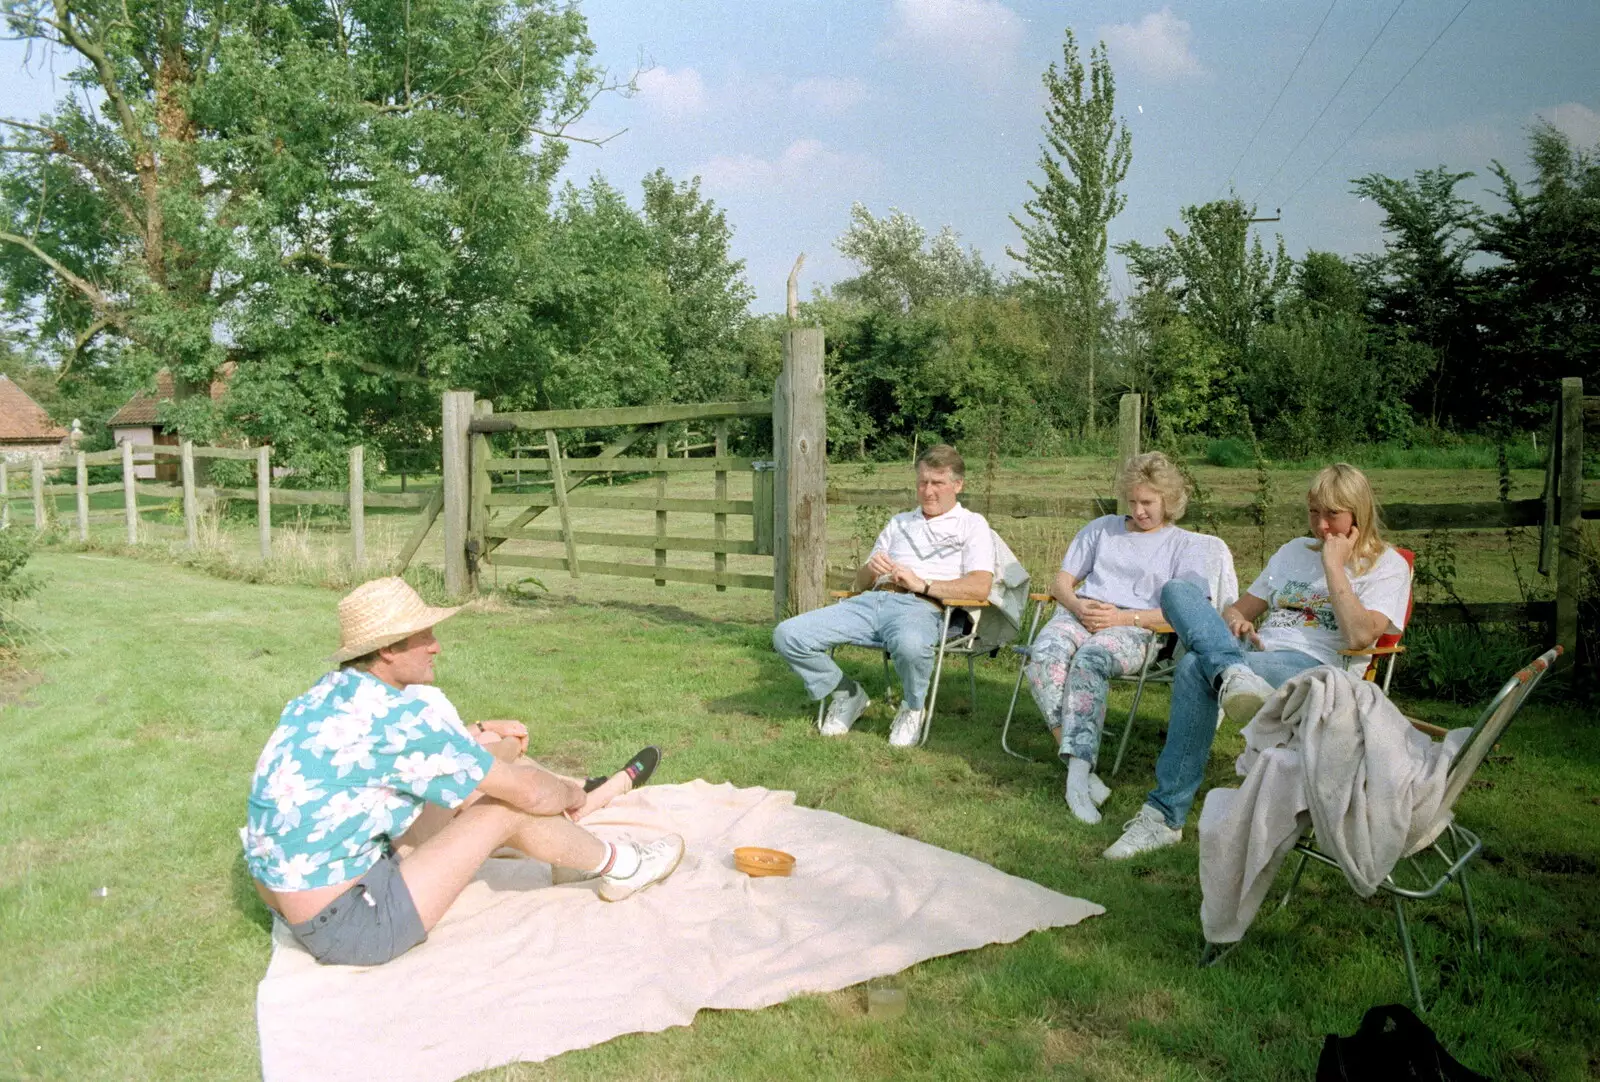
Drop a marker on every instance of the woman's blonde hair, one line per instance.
(1155, 470)
(1342, 487)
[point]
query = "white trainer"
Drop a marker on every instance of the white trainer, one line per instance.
(843, 710)
(1243, 693)
(657, 860)
(1141, 834)
(906, 731)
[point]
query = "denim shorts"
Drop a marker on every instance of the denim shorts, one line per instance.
(372, 922)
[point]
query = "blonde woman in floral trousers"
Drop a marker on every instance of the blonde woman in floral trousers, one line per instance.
(1108, 595)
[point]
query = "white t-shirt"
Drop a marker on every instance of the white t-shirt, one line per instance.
(1121, 567)
(939, 549)
(1299, 614)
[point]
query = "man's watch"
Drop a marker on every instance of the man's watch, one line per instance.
(926, 586)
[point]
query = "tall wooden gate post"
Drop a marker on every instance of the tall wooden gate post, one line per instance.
(478, 452)
(1130, 421)
(1569, 567)
(454, 464)
(800, 496)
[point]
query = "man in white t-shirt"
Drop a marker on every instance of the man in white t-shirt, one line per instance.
(937, 552)
(1339, 588)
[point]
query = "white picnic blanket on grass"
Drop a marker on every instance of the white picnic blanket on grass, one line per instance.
(518, 973)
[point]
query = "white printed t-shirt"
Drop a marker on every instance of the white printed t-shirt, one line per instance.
(938, 549)
(1299, 613)
(1125, 568)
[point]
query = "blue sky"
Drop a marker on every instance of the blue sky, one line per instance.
(790, 110)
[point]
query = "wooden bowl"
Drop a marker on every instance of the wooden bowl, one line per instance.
(756, 861)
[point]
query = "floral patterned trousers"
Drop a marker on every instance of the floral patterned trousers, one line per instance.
(1069, 672)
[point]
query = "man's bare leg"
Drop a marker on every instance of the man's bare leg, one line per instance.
(437, 868)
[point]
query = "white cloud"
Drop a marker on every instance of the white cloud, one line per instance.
(981, 36)
(1577, 122)
(1157, 45)
(673, 94)
(1469, 144)
(828, 94)
(804, 163)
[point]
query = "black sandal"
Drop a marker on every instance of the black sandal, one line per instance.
(639, 769)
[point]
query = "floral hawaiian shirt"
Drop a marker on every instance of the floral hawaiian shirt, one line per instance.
(349, 768)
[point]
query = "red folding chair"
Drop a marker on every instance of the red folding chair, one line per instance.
(1387, 646)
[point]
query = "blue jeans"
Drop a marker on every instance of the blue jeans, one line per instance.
(1192, 723)
(905, 625)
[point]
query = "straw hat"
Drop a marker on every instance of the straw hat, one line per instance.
(380, 613)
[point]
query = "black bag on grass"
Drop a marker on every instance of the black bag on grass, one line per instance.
(1392, 1045)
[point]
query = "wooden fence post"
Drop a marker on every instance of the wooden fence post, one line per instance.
(1569, 568)
(358, 508)
(719, 527)
(478, 517)
(453, 479)
(37, 479)
(5, 494)
(83, 498)
(799, 442)
(130, 494)
(191, 503)
(1130, 421)
(761, 503)
(264, 499)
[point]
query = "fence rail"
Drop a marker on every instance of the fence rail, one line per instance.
(355, 499)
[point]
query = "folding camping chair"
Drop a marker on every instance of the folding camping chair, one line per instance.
(1004, 605)
(1454, 849)
(1387, 646)
(1222, 582)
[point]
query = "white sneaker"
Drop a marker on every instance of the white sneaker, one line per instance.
(657, 860)
(1099, 791)
(843, 710)
(1243, 693)
(1144, 832)
(906, 731)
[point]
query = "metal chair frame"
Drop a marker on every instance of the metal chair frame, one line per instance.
(1455, 848)
(962, 644)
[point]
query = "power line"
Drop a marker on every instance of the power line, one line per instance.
(1273, 108)
(1359, 61)
(1381, 100)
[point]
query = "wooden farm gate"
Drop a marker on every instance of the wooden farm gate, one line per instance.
(485, 508)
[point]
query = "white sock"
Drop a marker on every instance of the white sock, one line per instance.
(1099, 791)
(1078, 796)
(620, 861)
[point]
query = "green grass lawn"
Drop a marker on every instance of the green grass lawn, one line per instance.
(130, 728)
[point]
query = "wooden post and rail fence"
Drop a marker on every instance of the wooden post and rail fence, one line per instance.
(1558, 512)
(194, 496)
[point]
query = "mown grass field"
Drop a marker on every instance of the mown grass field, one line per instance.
(135, 714)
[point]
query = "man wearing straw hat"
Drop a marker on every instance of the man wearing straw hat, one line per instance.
(372, 806)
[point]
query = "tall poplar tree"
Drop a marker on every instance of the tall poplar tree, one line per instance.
(1084, 158)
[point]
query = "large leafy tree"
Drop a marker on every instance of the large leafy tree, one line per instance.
(1085, 158)
(1420, 283)
(1542, 301)
(901, 269)
(348, 199)
(707, 297)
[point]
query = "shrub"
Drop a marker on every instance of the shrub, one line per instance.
(1461, 662)
(15, 583)
(1234, 454)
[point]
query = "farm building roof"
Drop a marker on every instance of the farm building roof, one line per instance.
(144, 408)
(22, 420)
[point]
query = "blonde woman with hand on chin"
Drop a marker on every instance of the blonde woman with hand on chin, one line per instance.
(1339, 587)
(1108, 592)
